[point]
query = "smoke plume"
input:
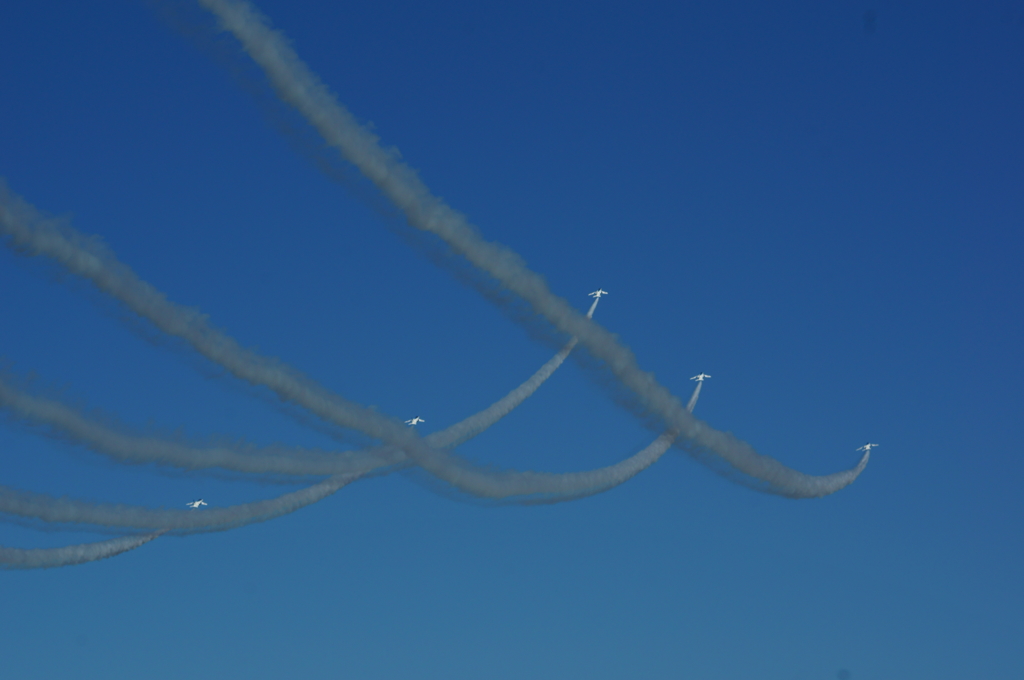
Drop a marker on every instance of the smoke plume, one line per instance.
(299, 87)
(28, 231)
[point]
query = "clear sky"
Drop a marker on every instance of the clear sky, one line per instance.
(819, 204)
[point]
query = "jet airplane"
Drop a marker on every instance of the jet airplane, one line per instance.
(701, 377)
(415, 420)
(598, 293)
(195, 504)
(867, 448)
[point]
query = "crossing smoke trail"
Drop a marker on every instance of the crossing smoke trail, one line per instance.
(29, 232)
(534, 487)
(128, 448)
(299, 87)
(45, 558)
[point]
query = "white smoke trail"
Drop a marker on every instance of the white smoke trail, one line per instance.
(64, 510)
(128, 448)
(70, 511)
(45, 558)
(693, 397)
(267, 460)
(532, 488)
(465, 430)
(299, 87)
(28, 231)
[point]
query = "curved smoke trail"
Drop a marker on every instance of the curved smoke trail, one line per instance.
(69, 511)
(532, 488)
(129, 448)
(299, 87)
(45, 558)
(28, 231)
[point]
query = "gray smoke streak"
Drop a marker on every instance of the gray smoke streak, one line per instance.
(533, 488)
(28, 231)
(70, 511)
(299, 87)
(130, 448)
(45, 558)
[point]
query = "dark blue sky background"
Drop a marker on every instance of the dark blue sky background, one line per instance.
(819, 204)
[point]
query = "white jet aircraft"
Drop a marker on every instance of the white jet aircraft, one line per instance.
(701, 377)
(415, 420)
(867, 448)
(195, 504)
(598, 293)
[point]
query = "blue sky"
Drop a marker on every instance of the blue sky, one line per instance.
(819, 206)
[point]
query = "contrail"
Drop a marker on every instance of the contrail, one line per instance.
(66, 510)
(693, 397)
(69, 511)
(299, 87)
(26, 230)
(29, 231)
(45, 558)
(532, 488)
(130, 448)
(463, 431)
(267, 460)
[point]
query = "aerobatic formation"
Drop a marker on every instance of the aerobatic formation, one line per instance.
(29, 232)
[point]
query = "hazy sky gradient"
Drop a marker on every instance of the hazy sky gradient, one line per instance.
(818, 206)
